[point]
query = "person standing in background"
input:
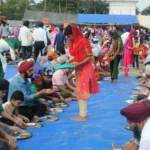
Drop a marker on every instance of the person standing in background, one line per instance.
(26, 40)
(4, 30)
(40, 40)
(59, 42)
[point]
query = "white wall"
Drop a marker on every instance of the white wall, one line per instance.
(122, 7)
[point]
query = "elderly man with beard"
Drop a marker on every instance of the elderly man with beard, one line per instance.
(30, 108)
(138, 117)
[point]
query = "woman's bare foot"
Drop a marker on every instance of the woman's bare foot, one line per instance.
(79, 118)
(126, 77)
(111, 81)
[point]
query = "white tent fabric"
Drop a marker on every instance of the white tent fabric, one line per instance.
(144, 21)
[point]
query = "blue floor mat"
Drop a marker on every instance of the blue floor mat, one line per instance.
(104, 126)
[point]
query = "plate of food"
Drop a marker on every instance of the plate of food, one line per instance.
(134, 96)
(32, 125)
(135, 93)
(107, 78)
(49, 91)
(61, 105)
(138, 88)
(23, 135)
(130, 101)
(56, 110)
(128, 128)
(64, 66)
(108, 59)
(49, 118)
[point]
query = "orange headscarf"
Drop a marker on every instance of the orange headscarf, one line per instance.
(52, 54)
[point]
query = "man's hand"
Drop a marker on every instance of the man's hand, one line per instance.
(42, 92)
(11, 138)
(56, 99)
(14, 128)
(73, 94)
(76, 65)
(19, 122)
(131, 146)
(11, 144)
(45, 103)
(26, 119)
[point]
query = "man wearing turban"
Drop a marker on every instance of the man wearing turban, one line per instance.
(138, 117)
(30, 108)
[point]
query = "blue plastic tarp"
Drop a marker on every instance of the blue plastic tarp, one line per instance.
(107, 19)
(105, 124)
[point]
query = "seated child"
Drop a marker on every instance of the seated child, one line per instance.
(36, 87)
(11, 107)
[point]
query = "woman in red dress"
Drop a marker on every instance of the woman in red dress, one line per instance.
(86, 83)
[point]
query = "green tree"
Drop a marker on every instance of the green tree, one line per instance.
(14, 9)
(74, 6)
(146, 11)
(137, 11)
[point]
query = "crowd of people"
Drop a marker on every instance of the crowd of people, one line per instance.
(95, 53)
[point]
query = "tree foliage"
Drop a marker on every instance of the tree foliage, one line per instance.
(14, 9)
(146, 11)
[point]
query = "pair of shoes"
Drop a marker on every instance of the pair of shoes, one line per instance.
(111, 81)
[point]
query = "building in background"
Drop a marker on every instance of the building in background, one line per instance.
(122, 7)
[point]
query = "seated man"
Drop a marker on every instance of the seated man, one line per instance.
(30, 108)
(11, 107)
(47, 84)
(3, 89)
(7, 142)
(61, 83)
(138, 117)
(145, 96)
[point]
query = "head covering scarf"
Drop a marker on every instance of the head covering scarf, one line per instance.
(136, 113)
(36, 78)
(4, 84)
(25, 66)
(116, 39)
(48, 72)
(38, 69)
(40, 24)
(78, 44)
(53, 35)
(129, 41)
(128, 29)
(52, 54)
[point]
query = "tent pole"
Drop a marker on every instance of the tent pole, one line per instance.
(45, 2)
(66, 19)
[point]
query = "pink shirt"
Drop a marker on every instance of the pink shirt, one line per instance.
(59, 78)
